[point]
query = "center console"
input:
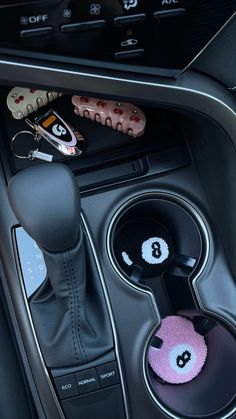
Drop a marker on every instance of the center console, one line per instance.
(90, 308)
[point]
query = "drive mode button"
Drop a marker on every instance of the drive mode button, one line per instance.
(108, 374)
(87, 381)
(66, 386)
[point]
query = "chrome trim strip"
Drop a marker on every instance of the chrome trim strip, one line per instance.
(119, 79)
(110, 314)
(205, 236)
(205, 47)
(208, 96)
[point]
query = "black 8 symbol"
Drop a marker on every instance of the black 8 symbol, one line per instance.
(183, 359)
(156, 253)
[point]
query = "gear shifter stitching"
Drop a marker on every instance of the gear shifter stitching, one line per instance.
(77, 306)
(70, 305)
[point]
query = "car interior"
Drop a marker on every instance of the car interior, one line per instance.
(117, 209)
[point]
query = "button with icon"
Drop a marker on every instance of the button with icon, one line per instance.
(129, 46)
(130, 4)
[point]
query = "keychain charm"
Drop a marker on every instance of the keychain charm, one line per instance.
(58, 133)
(33, 152)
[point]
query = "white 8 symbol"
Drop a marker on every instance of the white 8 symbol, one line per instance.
(95, 9)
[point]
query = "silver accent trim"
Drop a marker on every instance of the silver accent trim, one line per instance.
(110, 314)
(118, 79)
(205, 237)
(205, 47)
(136, 82)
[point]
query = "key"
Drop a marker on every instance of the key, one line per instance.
(52, 127)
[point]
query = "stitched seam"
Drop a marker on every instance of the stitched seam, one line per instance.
(72, 321)
(78, 307)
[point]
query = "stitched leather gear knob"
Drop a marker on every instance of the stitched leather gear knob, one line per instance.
(46, 201)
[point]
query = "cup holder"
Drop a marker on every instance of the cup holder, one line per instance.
(159, 241)
(211, 393)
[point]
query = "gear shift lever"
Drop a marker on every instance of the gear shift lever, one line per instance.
(69, 310)
(46, 201)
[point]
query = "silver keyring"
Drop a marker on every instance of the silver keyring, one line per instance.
(36, 139)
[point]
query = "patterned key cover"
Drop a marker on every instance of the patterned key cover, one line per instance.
(23, 101)
(124, 117)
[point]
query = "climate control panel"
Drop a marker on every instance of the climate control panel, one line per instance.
(154, 33)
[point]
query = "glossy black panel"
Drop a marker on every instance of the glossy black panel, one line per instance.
(169, 33)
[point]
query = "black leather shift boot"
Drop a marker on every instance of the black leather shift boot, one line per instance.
(69, 309)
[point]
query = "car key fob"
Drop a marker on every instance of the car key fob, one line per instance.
(123, 117)
(23, 101)
(58, 133)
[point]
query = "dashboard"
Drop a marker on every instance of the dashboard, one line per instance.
(154, 36)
